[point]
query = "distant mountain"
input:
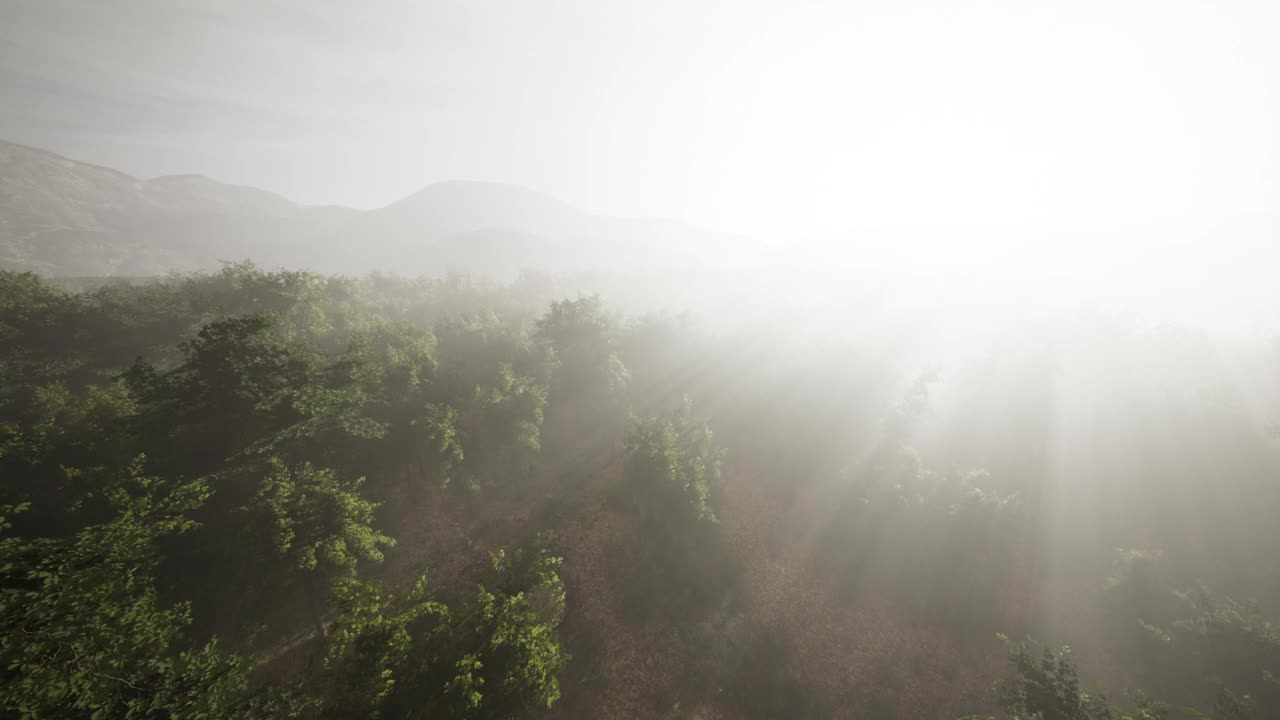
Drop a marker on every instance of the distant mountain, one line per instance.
(62, 217)
(495, 228)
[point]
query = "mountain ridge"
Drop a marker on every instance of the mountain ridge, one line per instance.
(59, 216)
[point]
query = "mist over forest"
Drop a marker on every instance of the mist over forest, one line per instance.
(690, 361)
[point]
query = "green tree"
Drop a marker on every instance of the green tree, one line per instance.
(377, 646)
(496, 380)
(62, 447)
(1046, 686)
(510, 634)
(585, 339)
(672, 468)
(83, 633)
(678, 562)
(500, 426)
(231, 391)
(1223, 642)
(318, 524)
(410, 656)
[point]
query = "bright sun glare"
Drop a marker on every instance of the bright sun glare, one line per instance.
(1009, 114)
(1027, 148)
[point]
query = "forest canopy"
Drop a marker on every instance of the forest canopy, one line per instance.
(271, 494)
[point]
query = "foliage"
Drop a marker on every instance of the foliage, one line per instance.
(57, 451)
(296, 422)
(1226, 642)
(268, 397)
(235, 387)
(672, 468)
(510, 629)
(500, 424)
(318, 523)
(670, 473)
(1046, 686)
(83, 633)
(585, 340)
(946, 542)
(496, 656)
(373, 643)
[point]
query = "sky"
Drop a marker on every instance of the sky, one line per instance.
(1157, 119)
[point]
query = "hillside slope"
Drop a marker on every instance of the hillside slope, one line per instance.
(61, 217)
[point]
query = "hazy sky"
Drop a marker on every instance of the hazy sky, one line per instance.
(1161, 114)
